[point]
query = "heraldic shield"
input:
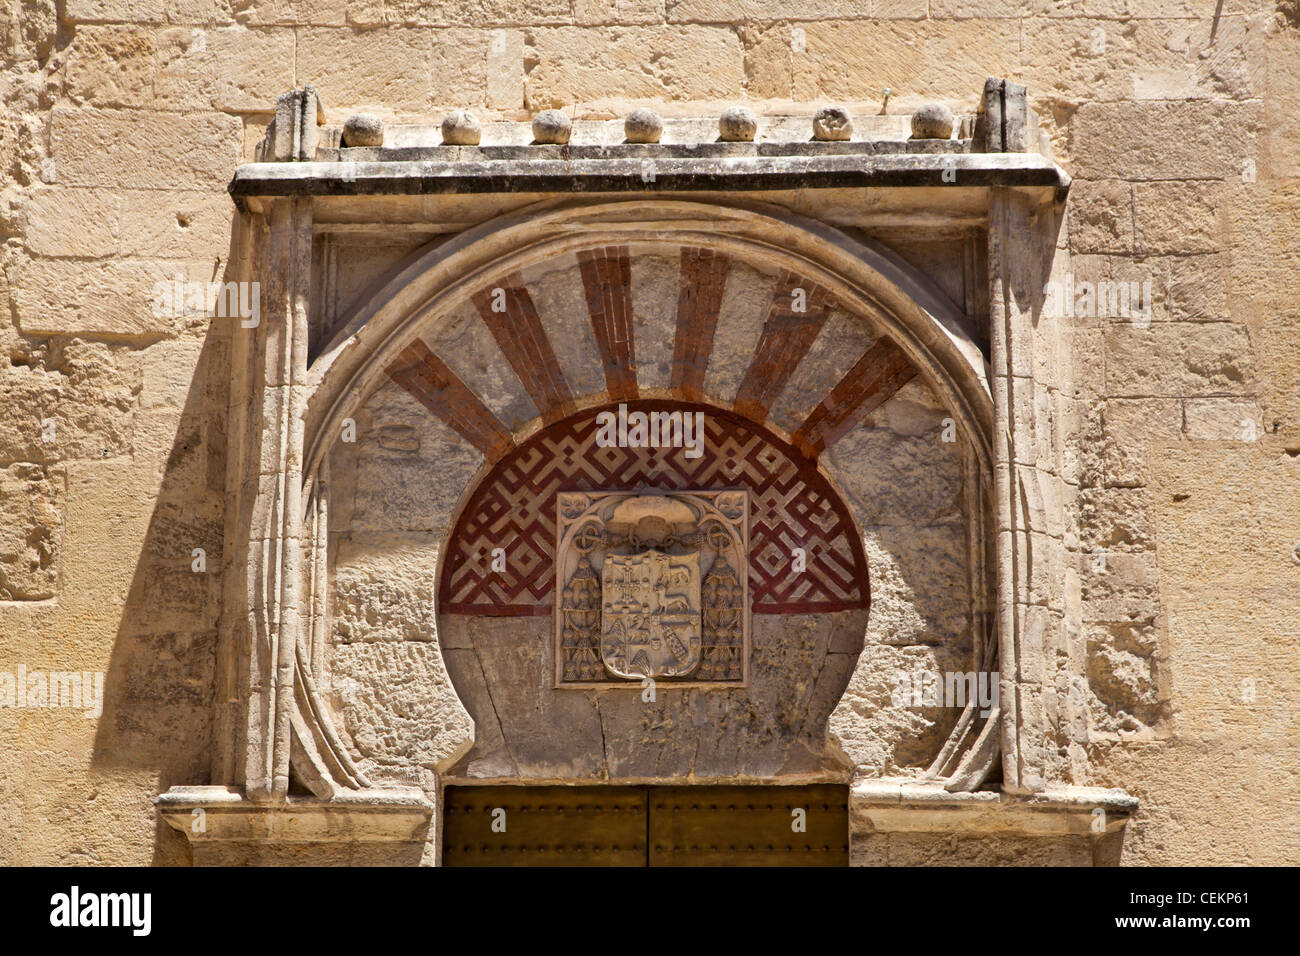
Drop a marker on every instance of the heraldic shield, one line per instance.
(650, 623)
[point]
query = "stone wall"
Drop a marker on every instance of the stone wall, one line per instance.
(125, 118)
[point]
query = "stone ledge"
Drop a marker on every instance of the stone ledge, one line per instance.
(361, 816)
(891, 805)
(668, 173)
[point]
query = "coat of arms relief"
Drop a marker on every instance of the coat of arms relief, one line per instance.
(652, 584)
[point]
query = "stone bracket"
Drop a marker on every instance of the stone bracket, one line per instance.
(223, 825)
(905, 806)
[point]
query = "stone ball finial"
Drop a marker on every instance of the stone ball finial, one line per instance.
(643, 126)
(460, 128)
(932, 121)
(832, 123)
(552, 126)
(737, 125)
(363, 129)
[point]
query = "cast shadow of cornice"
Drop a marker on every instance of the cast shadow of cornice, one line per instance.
(160, 682)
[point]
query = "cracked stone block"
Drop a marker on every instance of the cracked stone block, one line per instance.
(31, 505)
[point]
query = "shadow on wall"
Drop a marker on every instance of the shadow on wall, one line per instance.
(158, 692)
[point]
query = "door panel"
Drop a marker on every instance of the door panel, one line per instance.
(640, 826)
(749, 826)
(545, 826)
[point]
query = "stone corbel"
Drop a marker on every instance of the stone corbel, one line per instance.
(1076, 825)
(362, 827)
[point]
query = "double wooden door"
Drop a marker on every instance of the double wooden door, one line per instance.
(646, 826)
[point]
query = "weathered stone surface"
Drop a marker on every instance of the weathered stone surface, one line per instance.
(30, 502)
(122, 11)
(68, 401)
(552, 126)
(1223, 419)
(880, 723)
(469, 348)
(832, 123)
(1178, 358)
(892, 479)
(643, 126)
(228, 68)
(557, 299)
(188, 225)
(841, 342)
(854, 61)
(1132, 427)
(1101, 217)
(385, 592)
(737, 124)
(460, 128)
(397, 704)
(73, 222)
(404, 461)
(1115, 518)
(392, 68)
(721, 11)
(112, 298)
(1184, 220)
(505, 69)
(363, 129)
(932, 121)
(749, 295)
(774, 726)
(931, 850)
(133, 149)
(636, 63)
(111, 66)
(655, 282)
(1167, 140)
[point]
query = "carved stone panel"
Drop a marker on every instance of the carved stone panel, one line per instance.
(652, 585)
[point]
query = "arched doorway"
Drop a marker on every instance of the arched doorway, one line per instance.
(795, 342)
(482, 405)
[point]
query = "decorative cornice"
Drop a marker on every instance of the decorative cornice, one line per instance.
(673, 169)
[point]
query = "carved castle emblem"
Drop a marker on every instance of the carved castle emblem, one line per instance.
(650, 618)
(652, 585)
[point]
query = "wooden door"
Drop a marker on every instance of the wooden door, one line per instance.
(646, 826)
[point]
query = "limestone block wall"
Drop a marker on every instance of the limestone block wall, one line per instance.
(123, 121)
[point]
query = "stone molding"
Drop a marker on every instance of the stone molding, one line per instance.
(375, 172)
(225, 828)
(1094, 818)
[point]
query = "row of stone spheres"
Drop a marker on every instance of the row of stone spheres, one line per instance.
(737, 124)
